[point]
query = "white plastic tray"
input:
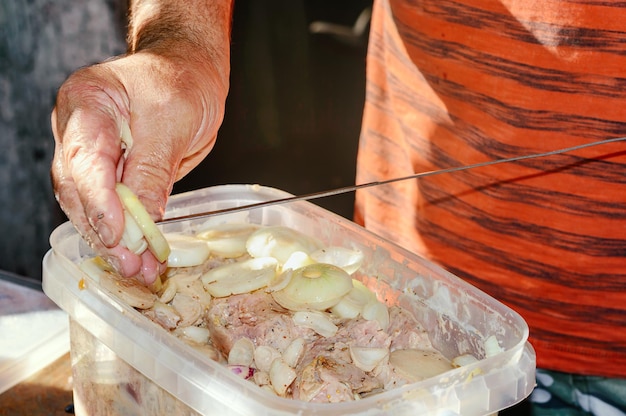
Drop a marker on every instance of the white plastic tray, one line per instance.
(33, 331)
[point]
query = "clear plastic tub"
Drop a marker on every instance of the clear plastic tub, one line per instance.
(124, 364)
(34, 331)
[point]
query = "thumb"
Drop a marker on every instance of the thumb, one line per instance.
(150, 163)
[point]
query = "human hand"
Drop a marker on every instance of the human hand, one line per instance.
(173, 104)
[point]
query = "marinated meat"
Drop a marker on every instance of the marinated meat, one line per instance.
(405, 331)
(289, 344)
(255, 316)
(331, 380)
(325, 372)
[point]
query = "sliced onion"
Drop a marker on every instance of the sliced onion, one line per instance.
(463, 360)
(264, 355)
(349, 260)
(165, 315)
(294, 352)
(132, 238)
(377, 311)
(316, 286)
(298, 259)
(186, 251)
(241, 353)
(196, 334)
(262, 378)
(279, 242)
(189, 309)
(351, 305)
(228, 240)
(183, 276)
(492, 346)
(346, 309)
(319, 322)
(168, 291)
(280, 281)
(157, 285)
(368, 358)
(197, 291)
(281, 376)
(240, 277)
(157, 244)
(416, 365)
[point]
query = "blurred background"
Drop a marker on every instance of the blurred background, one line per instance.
(292, 117)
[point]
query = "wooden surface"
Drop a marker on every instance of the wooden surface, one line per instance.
(47, 392)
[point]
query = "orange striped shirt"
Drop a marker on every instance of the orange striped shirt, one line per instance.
(455, 82)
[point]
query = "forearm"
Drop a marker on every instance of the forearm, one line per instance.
(198, 30)
(171, 89)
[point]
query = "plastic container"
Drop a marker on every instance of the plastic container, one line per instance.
(125, 364)
(34, 331)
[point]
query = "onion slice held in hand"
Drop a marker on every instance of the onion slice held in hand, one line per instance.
(133, 236)
(157, 244)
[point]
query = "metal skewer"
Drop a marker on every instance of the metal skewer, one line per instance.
(352, 188)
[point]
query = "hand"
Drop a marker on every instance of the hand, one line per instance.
(173, 105)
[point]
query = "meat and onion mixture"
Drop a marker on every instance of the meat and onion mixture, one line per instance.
(285, 312)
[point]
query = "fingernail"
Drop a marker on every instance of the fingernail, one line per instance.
(106, 235)
(148, 277)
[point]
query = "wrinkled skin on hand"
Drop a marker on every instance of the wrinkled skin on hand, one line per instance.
(174, 107)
